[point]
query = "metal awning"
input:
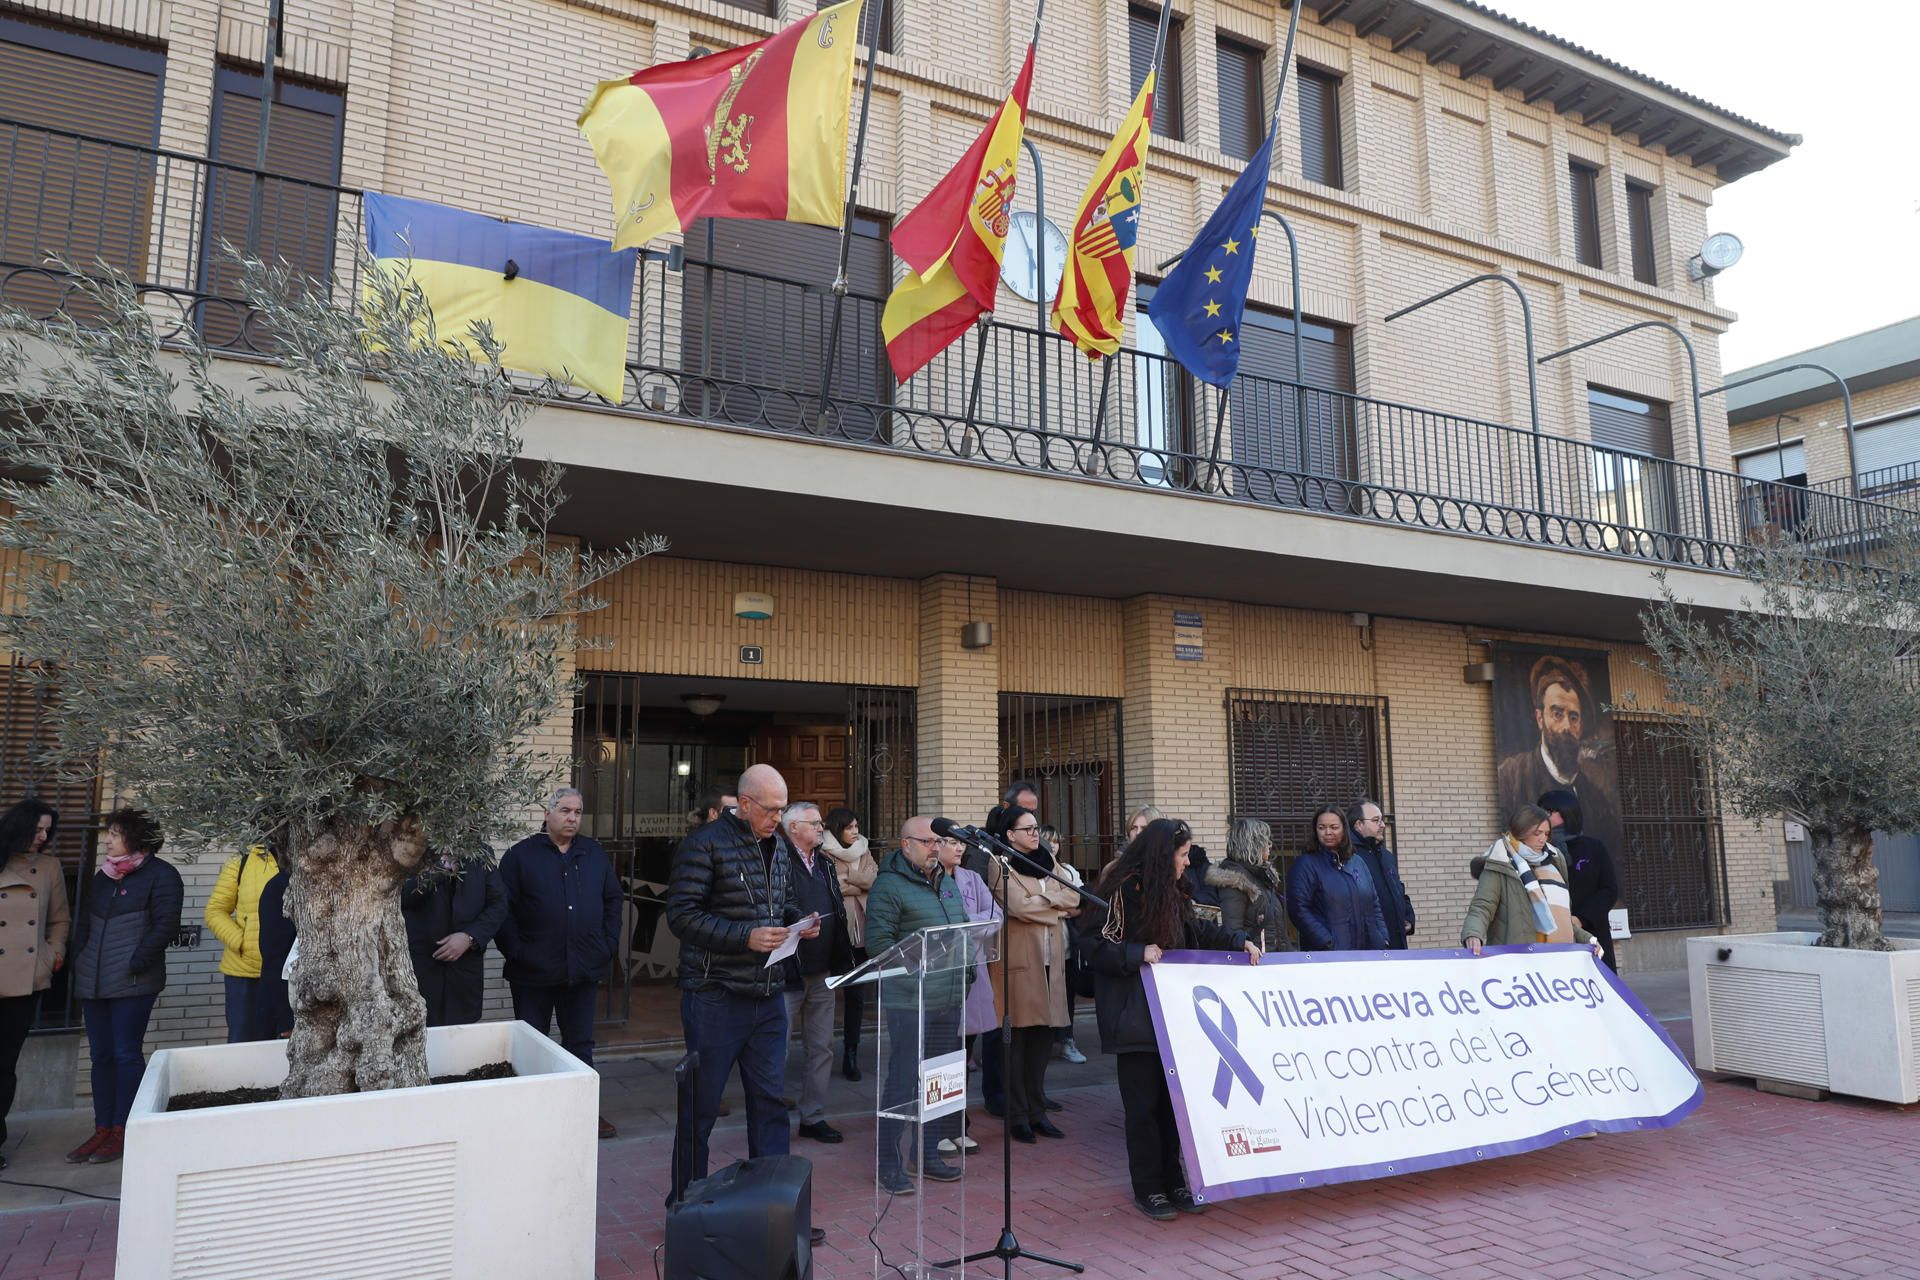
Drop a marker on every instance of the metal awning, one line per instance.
(1475, 40)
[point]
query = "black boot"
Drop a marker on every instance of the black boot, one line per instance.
(850, 1064)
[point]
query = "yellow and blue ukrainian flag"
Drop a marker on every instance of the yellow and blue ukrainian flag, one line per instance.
(1197, 309)
(559, 303)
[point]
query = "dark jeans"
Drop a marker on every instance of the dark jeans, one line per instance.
(572, 1004)
(724, 1028)
(240, 1010)
(854, 1013)
(1027, 1081)
(901, 1091)
(16, 1016)
(116, 1030)
(993, 1080)
(1153, 1140)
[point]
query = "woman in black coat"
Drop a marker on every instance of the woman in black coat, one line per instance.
(1591, 883)
(119, 949)
(452, 913)
(1148, 915)
(269, 1009)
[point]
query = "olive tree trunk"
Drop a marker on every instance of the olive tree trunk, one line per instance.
(359, 1023)
(1847, 887)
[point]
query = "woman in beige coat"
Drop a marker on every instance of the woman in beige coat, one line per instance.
(856, 867)
(33, 911)
(1034, 953)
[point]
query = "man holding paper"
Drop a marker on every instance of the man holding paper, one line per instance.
(730, 902)
(827, 951)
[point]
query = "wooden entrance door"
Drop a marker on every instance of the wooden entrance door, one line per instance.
(811, 757)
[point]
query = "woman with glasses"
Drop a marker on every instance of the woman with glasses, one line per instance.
(1146, 917)
(979, 1016)
(1330, 895)
(1033, 968)
(1522, 894)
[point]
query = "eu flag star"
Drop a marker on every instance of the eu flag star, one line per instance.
(1232, 245)
(1254, 231)
(1213, 275)
(1226, 335)
(1213, 308)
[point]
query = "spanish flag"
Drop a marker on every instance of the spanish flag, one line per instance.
(558, 302)
(953, 240)
(1092, 304)
(756, 132)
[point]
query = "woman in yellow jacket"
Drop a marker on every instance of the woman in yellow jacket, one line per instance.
(233, 913)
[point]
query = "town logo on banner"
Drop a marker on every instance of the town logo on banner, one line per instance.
(1311, 1068)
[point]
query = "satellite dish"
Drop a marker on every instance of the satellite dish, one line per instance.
(1027, 238)
(1721, 250)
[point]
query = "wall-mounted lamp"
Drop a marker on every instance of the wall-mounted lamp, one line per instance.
(703, 704)
(976, 635)
(683, 768)
(756, 606)
(1477, 673)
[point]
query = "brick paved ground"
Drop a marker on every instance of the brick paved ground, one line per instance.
(1752, 1186)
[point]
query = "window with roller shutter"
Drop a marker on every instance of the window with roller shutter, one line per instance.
(1584, 194)
(299, 206)
(1243, 112)
(86, 192)
(1633, 469)
(1169, 94)
(1321, 146)
(757, 309)
(1640, 232)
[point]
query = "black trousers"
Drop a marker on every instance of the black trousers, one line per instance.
(901, 1088)
(16, 1016)
(854, 1013)
(1027, 1081)
(1153, 1141)
(572, 1005)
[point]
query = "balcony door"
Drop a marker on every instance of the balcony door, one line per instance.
(1633, 469)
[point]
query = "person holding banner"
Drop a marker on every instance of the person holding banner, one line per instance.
(1148, 916)
(1331, 896)
(1522, 896)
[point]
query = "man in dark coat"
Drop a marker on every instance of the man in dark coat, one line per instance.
(1592, 886)
(1369, 824)
(452, 912)
(810, 1002)
(730, 902)
(562, 927)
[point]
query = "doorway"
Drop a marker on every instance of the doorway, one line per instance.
(647, 749)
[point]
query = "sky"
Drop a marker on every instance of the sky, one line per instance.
(1832, 233)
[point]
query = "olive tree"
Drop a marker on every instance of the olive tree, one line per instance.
(1806, 702)
(315, 602)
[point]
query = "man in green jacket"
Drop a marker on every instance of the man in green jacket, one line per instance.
(911, 893)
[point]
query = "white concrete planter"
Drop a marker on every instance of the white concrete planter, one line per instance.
(1779, 1008)
(490, 1179)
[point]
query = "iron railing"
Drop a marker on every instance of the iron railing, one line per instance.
(725, 345)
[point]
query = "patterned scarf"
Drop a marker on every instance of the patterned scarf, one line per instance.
(119, 868)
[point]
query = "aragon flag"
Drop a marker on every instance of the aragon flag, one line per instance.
(756, 132)
(558, 303)
(1092, 303)
(953, 240)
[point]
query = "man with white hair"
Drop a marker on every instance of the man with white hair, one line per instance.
(563, 926)
(809, 1000)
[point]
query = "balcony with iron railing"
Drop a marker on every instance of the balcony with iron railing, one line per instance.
(747, 348)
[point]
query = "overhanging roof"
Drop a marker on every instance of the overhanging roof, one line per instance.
(1478, 41)
(1875, 358)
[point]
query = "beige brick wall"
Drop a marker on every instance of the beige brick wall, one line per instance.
(959, 700)
(1060, 644)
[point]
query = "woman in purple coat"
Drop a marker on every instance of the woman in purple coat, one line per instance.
(980, 1013)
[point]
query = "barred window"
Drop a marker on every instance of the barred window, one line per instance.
(1673, 869)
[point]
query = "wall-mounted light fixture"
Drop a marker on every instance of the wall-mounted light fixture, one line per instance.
(976, 635)
(1477, 673)
(756, 606)
(683, 768)
(703, 704)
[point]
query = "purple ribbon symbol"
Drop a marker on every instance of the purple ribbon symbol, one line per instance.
(1224, 1036)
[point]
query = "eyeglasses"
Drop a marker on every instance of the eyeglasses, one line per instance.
(932, 840)
(1021, 830)
(761, 805)
(807, 822)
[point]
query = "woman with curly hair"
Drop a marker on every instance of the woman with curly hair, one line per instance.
(1147, 916)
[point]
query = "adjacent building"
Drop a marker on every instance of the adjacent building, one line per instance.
(1340, 579)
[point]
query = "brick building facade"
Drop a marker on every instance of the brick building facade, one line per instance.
(1344, 583)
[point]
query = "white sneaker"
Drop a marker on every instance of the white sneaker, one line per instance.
(968, 1145)
(947, 1147)
(1072, 1053)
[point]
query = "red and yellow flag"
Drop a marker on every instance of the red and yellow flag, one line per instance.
(755, 132)
(1092, 304)
(953, 240)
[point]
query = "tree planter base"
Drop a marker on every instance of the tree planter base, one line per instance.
(494, 1178)
(1789, 1013)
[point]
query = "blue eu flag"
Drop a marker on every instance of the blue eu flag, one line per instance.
(1197, 308)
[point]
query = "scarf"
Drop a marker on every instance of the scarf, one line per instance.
(856, 869)
(1546, 891)
(118, 868)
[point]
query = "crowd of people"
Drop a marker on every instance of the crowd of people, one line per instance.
(755, 866)
(759, 864)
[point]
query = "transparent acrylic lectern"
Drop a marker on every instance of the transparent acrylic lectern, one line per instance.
(920, 1094)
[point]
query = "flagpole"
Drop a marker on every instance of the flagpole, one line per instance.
(853, 195)
(1039, 243)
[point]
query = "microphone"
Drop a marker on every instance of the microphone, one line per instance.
(947, 828)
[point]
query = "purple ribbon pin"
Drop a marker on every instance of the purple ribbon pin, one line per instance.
(1224, 1035)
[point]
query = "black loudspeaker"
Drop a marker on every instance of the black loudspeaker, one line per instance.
(753, 1220)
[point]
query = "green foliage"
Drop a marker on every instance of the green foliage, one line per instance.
(318, 593)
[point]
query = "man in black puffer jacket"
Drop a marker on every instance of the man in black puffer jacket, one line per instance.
(730, 902)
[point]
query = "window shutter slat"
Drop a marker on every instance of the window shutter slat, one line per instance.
(1584, 183)
(1242, 116)
(1320, 158)
(1640, 230)
(1143, 25)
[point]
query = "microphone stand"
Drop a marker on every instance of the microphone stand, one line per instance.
(1008, 1248)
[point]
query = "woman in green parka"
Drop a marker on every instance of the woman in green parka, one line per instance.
(1522, 896)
